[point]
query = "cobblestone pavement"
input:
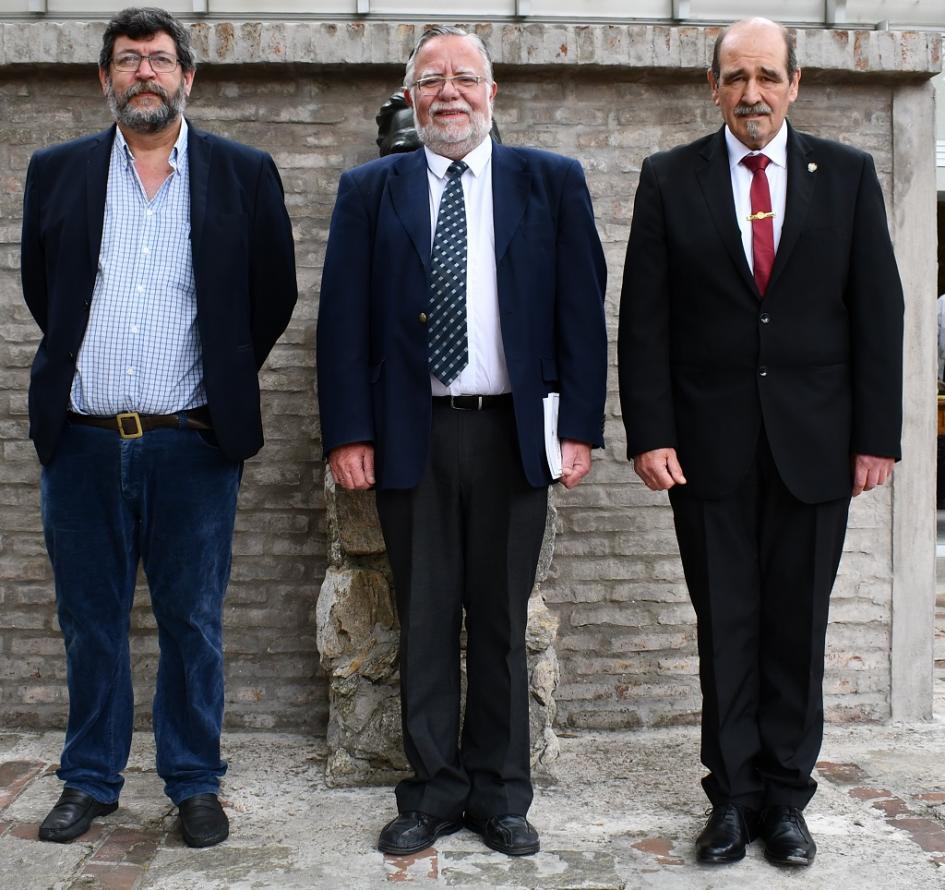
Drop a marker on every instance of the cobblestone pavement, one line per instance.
(621, 813)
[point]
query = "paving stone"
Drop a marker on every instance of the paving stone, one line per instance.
(128, 846)
(15, 775)
(842, 773)
(105, 876)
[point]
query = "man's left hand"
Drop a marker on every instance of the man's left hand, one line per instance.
(870, 471)
(575, 462)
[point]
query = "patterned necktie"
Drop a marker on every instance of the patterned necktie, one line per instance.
(447, 345)
(762, 220)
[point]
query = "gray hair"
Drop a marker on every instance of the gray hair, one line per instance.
(142, 23)
(446, 31)
(789, 41)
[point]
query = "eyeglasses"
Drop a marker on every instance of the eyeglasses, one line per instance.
(430, 86)
(161, 63)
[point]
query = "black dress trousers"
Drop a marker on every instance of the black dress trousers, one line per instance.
(467, 538)
(760, 565)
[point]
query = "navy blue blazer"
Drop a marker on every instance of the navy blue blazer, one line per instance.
(244, 269)
(706, 364)
(374, 382)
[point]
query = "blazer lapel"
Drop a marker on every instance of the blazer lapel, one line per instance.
(510, 186)
(715, 179)
(199, 151)
(96, 187)
(800, 190)
(410, 196)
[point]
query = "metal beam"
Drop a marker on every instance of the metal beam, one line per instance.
(835, 12)
(680, 10)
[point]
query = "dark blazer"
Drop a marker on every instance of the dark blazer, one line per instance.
(704, 362)
(374, 382)
(244, 269)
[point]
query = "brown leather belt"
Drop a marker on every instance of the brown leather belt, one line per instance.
(132, 425)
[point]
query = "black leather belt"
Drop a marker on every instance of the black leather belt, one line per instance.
(132, 425)
(474, 403)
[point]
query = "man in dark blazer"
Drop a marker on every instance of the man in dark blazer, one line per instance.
(457, 450)
(760, 354)
(158, 262)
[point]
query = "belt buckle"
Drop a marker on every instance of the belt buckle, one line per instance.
(461, 408)
(136, 432)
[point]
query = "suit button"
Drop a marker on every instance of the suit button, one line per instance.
(764, 318)
(422, 318)
(87, 304)
(71, 356)
(762, 371)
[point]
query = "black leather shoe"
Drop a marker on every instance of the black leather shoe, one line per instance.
(72, 816)
(728, 831)
(509, 834)
(202, 821)
(786, 836)
(414, 831)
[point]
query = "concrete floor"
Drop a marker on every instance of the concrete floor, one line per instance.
(621, 812)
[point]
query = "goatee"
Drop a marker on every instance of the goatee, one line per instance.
(145, 120)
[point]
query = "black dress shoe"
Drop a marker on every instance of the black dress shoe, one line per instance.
(728, 831)
(72, 816)
(509, 834)
(414, 831)
(786, 836)
(202, 821)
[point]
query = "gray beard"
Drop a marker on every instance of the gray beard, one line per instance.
(433, 138)
(145, 120)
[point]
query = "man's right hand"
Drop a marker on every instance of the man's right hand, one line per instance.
(659, 469)
(353, 465)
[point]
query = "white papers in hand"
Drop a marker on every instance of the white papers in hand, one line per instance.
(552, 442)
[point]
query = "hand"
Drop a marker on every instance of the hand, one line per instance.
(575, 462)
(352, 466)
(870, 471)
(659, 469)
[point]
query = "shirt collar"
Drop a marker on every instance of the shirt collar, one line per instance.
(775, 150)
(476, 160)
(178, 151)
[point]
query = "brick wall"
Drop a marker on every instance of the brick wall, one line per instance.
(626, 641)
(627, 638)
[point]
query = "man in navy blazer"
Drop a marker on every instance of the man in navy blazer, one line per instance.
(760, 354)
(158, 262)
(493, 252)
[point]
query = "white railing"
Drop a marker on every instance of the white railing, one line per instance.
(836, 13)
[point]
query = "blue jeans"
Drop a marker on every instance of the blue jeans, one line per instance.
(168, 499)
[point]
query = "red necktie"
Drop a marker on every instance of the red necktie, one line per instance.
(762, 220)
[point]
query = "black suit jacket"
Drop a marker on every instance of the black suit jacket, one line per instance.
(244, 269)
(373, 376)
(705, 362)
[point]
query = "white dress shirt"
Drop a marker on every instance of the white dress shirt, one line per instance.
(486, 373)
(776, 171)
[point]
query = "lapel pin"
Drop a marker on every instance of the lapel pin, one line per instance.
(811, 168)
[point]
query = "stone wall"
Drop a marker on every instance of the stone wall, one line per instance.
(607, 95)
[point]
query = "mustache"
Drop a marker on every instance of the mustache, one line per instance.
(143, 87)
(757, 108)
(458, 105)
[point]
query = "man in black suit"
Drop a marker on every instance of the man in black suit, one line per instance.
(158, 262)
(760, 355)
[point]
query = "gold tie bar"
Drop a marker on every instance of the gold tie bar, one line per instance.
(761, 214)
